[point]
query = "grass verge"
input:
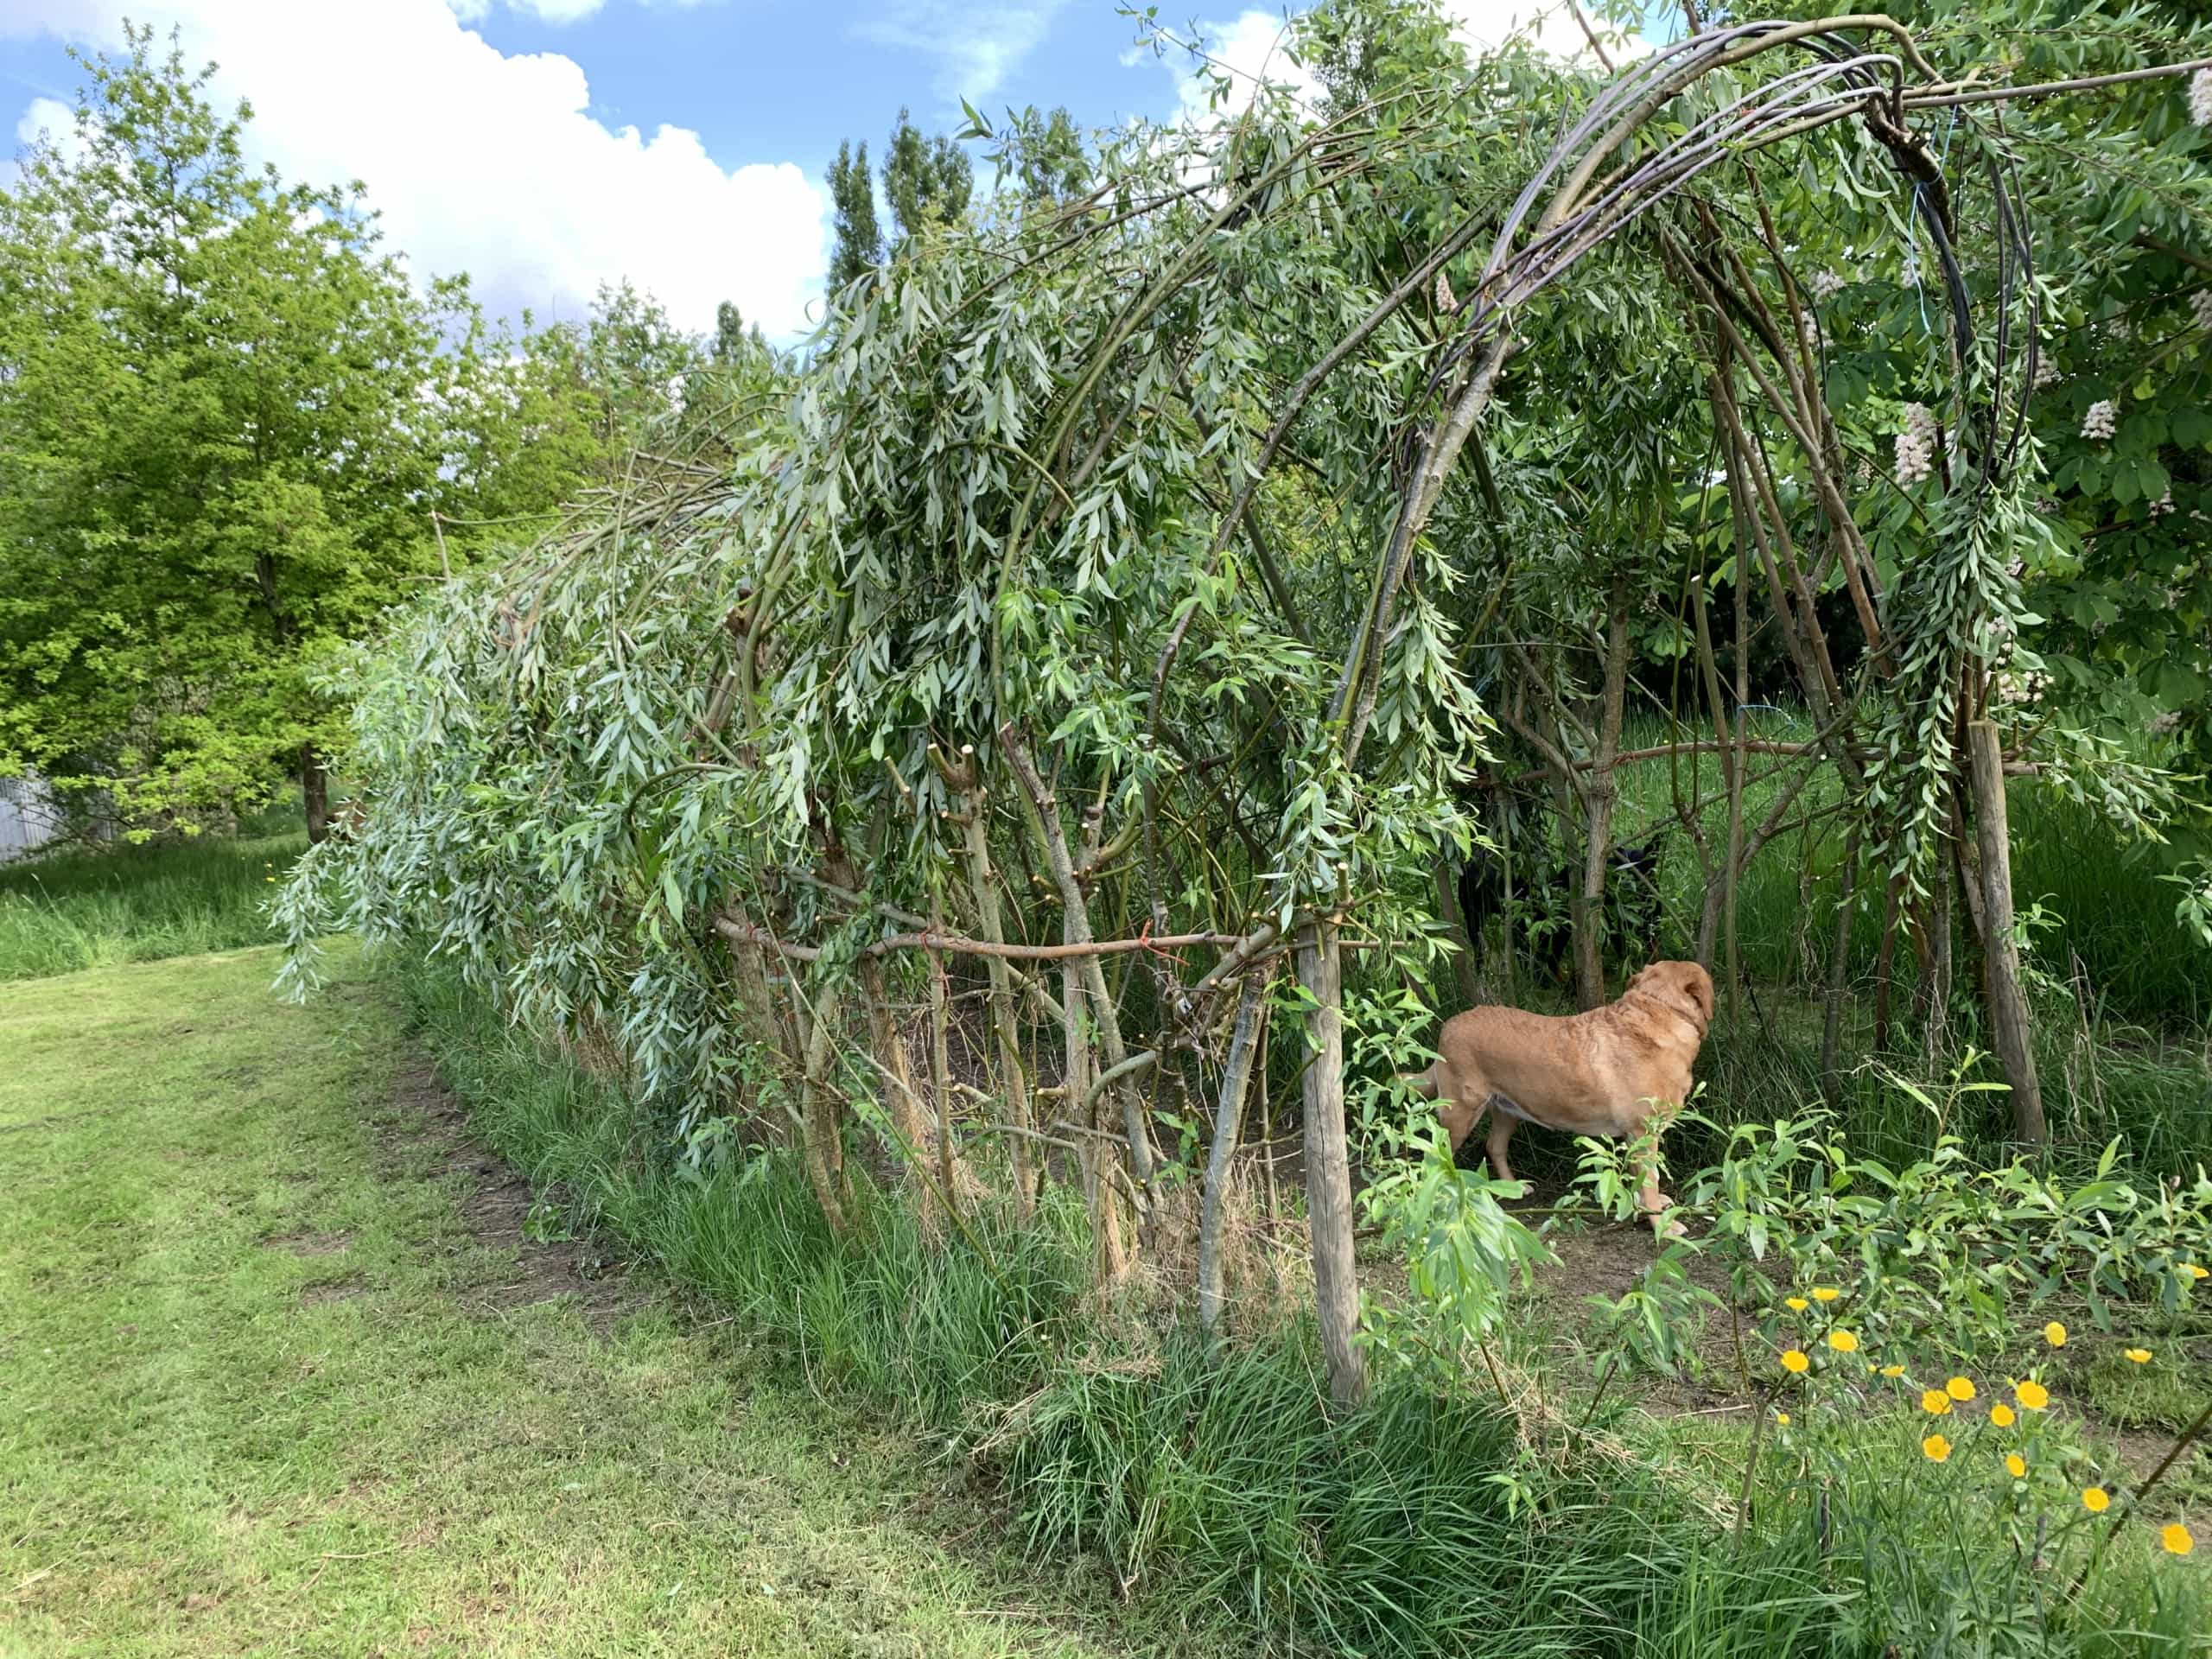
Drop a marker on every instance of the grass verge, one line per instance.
(75, 911)
(265, 1388)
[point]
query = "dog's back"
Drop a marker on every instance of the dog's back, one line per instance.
(1592, 1073)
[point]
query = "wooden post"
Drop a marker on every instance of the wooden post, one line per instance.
(2007, 1002)
(1229, 1117)
(1328, 1167)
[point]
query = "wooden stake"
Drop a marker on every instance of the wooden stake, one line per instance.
(2007, 1002)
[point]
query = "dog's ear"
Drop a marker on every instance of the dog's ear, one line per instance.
(1697, 985)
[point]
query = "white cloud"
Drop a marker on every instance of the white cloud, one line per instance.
(974, 47)
(1253, 46)
(557, 11)
(546, 11)
(1246, 51)
(489, 163)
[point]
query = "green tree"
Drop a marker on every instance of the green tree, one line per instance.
(851, 194)
(222, 419)
(927, 180)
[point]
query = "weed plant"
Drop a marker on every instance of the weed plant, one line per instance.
(71, 911)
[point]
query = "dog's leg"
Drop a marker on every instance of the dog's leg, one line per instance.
(1502, 1125)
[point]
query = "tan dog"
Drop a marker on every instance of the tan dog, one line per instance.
(1616, 1071)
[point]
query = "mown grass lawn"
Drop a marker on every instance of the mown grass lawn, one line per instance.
(264, 1389)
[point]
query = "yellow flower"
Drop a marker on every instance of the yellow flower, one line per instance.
(2032, 1395)
(2140, 1356)
(1843, 1342)
(2195, 1272)
(2096, 1499)
(1893, 1370)
(268, 878)
(2054, 1334)
(1960, 1389)
(1935, 1402)
(2177, 1540)
(1796, 1304)
(1782, 1419)
(1794, 1361)
(2016, 1465)
(1825, 1293)
(2002, 1416)
(1935, 1448)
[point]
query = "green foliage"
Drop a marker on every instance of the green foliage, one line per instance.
(213, 445)
(927, 180)
(852, 196)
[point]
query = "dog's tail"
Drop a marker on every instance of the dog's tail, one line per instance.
(1422, 1083)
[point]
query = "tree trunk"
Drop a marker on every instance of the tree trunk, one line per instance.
(900, 1095)
(1838, 977)
(314, 786)
(1229, 1117)
(1328, 1167)
(2006, 1003)
(1885, 960)
(1092, 977)
(1464, 975)
(1602, 792)
(823, 1115)
(948, 1172)
(1935, 988)
(982, 886)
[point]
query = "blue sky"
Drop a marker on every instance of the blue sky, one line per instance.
(546, 146)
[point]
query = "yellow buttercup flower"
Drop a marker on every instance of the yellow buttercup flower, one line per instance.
(2140, 1356)
(2032, 1395)
(2177, 1540)
(1893, 1370)
(1843, 1342)
(2054, 1334)
(1796, 1304)
(1782, 1419)
(1960, 1389)
(1825, 1293)
(1935, 1402)
(1935, 1448)
(2002, 1416)
(2096, 1499)
(2195, 1272)
(1794, 1362)
(2016, 1465)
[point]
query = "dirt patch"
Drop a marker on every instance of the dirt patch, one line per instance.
(310, 1244)
(495, 1202)
(335, 1290)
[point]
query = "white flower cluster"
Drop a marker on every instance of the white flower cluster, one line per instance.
(1809, 331)
(1916, 445)
(1826, 285)
(2046, 369)
(2164, 505)
(2200, 307)
(2101, 422)
(2200, 97)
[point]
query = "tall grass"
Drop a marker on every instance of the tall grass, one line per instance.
(1213, 1484)
(77, 910)
(1220, 1481)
